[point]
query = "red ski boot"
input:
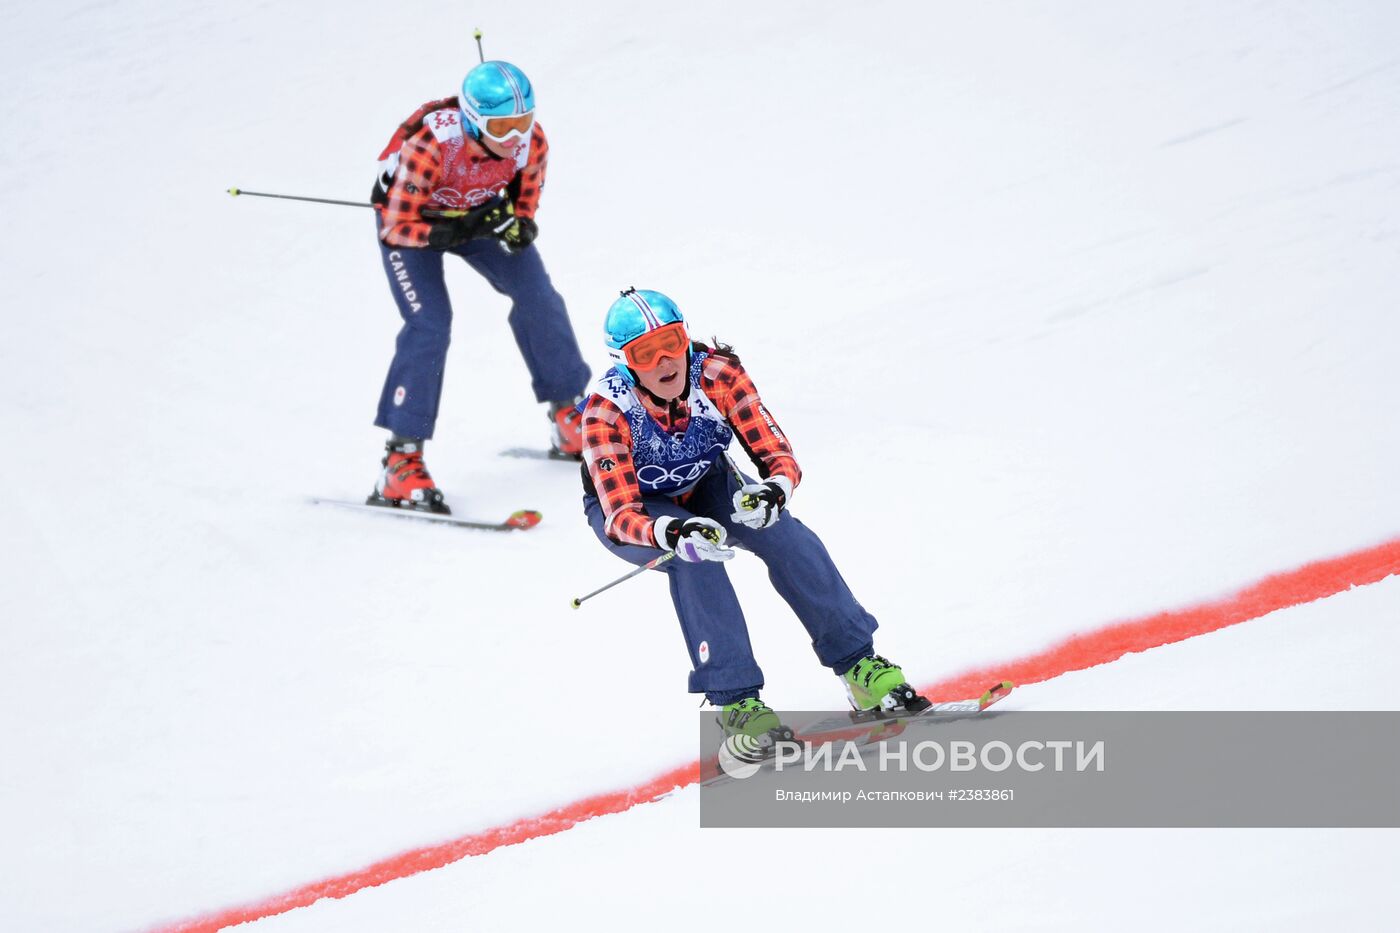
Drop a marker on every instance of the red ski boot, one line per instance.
(404, 481)
(566, 429)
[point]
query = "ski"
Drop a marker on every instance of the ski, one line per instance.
(856, 723)
(539, 453)
(522, 520)
(868, 727)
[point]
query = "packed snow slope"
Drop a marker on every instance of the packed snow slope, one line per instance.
(1073, 312)
(604, 873)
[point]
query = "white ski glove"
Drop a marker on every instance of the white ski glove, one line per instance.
(693, 540)
(758, 505)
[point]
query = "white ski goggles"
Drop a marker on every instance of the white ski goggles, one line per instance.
(508, 129)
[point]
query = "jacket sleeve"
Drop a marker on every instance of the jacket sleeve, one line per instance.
(526, 187)
(607, 455)
(401, 222)
(728, 385)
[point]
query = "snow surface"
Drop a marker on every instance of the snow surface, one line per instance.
(1074, 313)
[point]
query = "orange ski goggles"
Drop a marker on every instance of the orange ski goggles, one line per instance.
(502, 128)
(647, 350)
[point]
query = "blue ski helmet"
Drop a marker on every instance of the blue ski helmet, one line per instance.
(495, 89)
(636, 313)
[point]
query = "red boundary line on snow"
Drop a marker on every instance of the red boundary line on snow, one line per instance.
(1308, 583)
(1292, 588)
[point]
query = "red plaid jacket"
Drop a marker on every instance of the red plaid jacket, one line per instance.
(428, 173)
(607, 443)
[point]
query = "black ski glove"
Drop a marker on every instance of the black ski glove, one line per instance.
(490, 219)
(520, 234)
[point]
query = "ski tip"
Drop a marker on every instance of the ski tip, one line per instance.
(995, 694)
(525, 519)
(538, 453)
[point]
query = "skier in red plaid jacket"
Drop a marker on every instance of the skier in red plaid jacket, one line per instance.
(463, 176)
(657, 475)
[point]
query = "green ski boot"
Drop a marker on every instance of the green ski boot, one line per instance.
(752, 731)
(750, 717)
(875, 685)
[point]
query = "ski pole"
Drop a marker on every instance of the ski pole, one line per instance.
(749, 501)
(477, 36)
(296, 197)
(578, 600)
(426, 212)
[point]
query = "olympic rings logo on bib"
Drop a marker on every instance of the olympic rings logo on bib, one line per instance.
(657, 476)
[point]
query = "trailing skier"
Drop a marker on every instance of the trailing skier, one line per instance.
(480, 155)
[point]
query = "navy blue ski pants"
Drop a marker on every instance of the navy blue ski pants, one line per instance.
(408, 405)
(716, 634)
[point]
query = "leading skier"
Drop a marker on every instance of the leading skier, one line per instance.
(480, 155)
(656, 475)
